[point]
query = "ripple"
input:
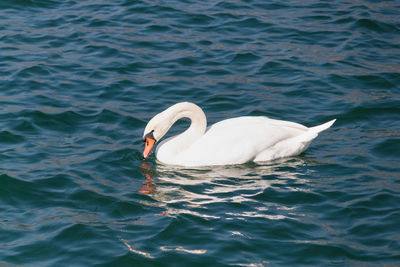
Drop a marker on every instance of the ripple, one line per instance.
(387, 148)
(10, 138)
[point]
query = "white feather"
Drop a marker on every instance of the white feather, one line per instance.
(231, 141)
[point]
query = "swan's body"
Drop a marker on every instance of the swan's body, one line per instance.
(232, 141)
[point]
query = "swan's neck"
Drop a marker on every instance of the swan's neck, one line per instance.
(197, 127)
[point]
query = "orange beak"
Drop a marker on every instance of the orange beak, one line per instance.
(149, 143)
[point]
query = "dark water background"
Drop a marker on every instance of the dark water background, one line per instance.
(80, 80)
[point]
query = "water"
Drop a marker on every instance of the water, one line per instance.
(80, 80)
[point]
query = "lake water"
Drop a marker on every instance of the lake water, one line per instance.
(80, 80)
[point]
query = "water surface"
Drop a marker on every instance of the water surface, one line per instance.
(80, 80)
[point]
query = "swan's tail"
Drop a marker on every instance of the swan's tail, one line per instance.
(322, 127)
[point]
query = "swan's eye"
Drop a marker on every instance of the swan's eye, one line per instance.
(146, 139)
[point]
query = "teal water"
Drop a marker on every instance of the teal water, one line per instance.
(80, 80)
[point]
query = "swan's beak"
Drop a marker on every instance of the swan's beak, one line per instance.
(149, 143)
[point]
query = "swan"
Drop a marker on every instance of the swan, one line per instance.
(231, 141)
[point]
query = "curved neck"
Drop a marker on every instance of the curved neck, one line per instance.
(171, 147)
(196, 115)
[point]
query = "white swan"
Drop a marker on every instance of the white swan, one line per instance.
(232, 141)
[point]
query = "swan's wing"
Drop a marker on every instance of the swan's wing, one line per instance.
(239, 140)
(292, 146)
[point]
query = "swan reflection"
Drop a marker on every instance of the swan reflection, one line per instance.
(200, 187)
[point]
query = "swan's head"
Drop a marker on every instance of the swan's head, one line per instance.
(159, 125)
(155, 129)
